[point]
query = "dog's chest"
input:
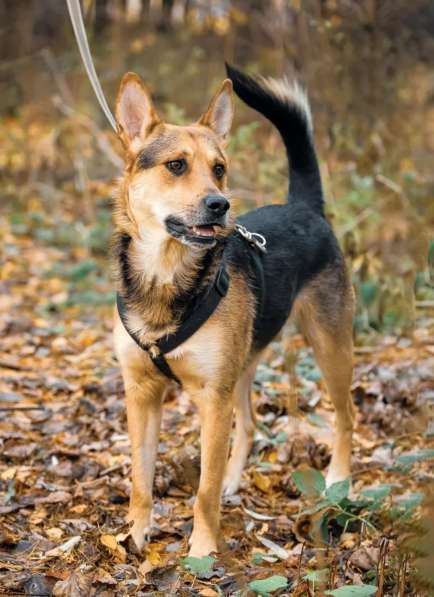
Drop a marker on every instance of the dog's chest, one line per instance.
(200, 356)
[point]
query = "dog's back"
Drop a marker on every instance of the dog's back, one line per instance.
(300, 242)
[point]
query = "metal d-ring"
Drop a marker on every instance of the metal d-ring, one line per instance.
(253, 237)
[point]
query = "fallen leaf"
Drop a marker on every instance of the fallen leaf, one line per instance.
(103, 577)
(64, 548)
(258, 515)
(262, 482)
(54, 533)
(76, 585)
(208, 592)
(276, 549)
(109, 541)
(8, 474)
(37, 586)
(114, 546)
(268, 585)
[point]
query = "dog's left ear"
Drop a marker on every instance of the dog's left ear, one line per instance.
(135, 113)
(220, 112)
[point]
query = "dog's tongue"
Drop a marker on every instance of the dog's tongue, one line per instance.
(203, 230)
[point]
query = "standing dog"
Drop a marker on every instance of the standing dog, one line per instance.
(172, 233)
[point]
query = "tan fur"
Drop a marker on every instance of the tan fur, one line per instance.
(215, 364)
(324, 310)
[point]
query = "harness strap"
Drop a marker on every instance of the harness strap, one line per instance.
(205, 306)
(158, 359)
(260, 278)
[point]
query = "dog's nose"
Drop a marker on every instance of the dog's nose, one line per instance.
(217, 204)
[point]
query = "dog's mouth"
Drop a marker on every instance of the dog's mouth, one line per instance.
(194, 234)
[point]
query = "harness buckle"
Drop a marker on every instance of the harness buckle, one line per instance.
(254, 238)
(154, 351)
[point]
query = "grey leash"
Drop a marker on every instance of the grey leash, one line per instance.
(83, 45)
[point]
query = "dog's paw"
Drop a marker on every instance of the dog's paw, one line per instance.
(337, 476)
(201, 546)
(233, 476)
(141, 528)
(231, 485)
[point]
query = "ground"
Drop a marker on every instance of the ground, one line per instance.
(65, 465)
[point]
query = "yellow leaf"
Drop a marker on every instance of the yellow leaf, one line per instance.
(54, 533)
(8, 474)
(79, 508)
(262, 482)
(109, 541)
(208, 592)
(153, 556)
(272, 457)
(121, 553)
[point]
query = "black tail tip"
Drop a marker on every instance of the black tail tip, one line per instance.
(232, 72)
(242, 83)
(228, 68)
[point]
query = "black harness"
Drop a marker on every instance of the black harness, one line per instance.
(204, 306)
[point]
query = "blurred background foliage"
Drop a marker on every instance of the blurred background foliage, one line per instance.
(368, 66)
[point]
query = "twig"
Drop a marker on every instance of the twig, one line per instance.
(111, 469)
(363, 215)
(101, 139)
(401, 578)
(13, 366)
(93, 482)
(8, 408)
(366, 349)
(299, 562)
(424, 304)
(58, 77)
(332, 575)
(389, 184)
(381, 566)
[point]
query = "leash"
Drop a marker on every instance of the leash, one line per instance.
(77, 22)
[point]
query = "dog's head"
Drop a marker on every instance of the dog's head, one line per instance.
(175, 175)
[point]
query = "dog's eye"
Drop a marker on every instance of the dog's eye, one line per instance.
(177, 167)
(219, 171)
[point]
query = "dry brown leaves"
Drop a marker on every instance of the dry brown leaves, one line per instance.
(65, 465)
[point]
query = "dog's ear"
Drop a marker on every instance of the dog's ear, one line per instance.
(135, 113)
(220, 111)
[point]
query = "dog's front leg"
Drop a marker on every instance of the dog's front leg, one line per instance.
(216, 419)
(144, 402)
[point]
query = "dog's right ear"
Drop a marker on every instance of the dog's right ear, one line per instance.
(135, 113)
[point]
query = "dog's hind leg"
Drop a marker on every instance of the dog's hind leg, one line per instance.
(324, 310)
(244, 430)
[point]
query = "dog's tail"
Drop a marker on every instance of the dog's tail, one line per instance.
(285, 104)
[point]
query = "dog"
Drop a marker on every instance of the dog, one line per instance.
(172, 232)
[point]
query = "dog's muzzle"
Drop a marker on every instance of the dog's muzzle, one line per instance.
(209, 222)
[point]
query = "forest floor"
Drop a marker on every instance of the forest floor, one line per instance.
(65, 465)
